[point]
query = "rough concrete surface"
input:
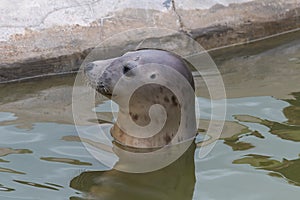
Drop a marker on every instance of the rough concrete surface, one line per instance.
(41, 37)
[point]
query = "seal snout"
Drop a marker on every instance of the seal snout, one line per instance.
(97, 76)
(103, 89)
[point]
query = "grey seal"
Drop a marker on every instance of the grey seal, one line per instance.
(152, 77)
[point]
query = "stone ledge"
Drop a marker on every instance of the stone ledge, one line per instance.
(63, 48)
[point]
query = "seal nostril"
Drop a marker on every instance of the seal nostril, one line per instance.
(88, 67)
(101, 85)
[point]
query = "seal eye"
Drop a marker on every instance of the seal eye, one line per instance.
(153, 76)
(126, 69)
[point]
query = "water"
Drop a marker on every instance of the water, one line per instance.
(257, 156)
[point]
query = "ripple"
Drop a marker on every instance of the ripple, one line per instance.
(5, 189)
(11, 135)
(71, 151)
(287, 169)
(239, 146)
(37, 185)
(65, 160)
(2, 160)
(7, 170)
(231, 134)
(264, 107)
(216, 174)
(282, 130)
(7, 151)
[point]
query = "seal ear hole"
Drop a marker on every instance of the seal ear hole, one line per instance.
(153, 76)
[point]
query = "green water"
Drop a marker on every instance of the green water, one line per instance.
(257, 156)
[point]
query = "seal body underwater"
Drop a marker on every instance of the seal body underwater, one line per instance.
(156, 77)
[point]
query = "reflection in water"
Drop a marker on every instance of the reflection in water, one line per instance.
(1, 160)
(7, 151)
(43, 108)
(93, 143)
(293, 112)
(48, 100)
(237, 145)
(288, 169)
(230, 130)
(284, 131)
(231, 134)
(173, 182)
(36, 185)
(5, 189)
(7, 170)
(288, 131)
(65, 160)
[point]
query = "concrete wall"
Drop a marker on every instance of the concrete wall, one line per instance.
(39, 37)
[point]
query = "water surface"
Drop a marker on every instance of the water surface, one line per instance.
(257, 156)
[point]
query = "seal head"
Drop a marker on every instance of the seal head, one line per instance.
(155, 93)
(103, 75)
